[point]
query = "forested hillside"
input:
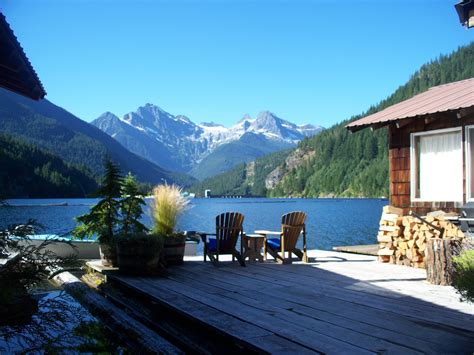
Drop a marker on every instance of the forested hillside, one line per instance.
(27, 171)
(244, 179)
(346, 164)
(249, 147)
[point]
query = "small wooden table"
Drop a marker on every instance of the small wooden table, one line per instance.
(253, 243)
(266, 232)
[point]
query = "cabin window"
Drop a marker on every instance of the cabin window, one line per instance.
(470, 163)
(437, 166)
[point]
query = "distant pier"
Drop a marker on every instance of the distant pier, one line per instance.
(234, 196)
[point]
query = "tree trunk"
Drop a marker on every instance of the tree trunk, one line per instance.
(438, 260)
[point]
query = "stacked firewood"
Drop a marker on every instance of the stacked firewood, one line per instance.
(390, 232)
(402, 239)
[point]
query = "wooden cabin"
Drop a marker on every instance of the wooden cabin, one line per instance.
(431, 147)
(465, 10)
(16, 71)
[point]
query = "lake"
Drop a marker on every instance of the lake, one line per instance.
(331, 222)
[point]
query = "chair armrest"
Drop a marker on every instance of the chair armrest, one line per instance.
(193, 238)
(204, 236)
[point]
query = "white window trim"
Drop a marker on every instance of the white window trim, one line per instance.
(467, 156)
(412, 159)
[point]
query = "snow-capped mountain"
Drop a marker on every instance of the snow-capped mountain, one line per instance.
(177, 143)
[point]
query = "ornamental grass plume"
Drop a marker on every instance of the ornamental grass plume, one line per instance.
(168, 205)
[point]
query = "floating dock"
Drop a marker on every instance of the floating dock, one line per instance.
(369, 249)
(337, 303)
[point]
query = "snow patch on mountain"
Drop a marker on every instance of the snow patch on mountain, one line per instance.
(188, 143)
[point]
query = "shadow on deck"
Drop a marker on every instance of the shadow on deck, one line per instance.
(336, 303)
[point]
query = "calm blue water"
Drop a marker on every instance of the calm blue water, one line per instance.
(331, 222)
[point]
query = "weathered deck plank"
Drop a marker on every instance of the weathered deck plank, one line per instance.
(338, 303)
(285, 311)
(235, 327)
(354, 292)
(356, 317)
(267, 320)
(369, 295)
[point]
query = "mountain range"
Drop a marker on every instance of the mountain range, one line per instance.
(47, 151)
(206, 149)
(59, 133)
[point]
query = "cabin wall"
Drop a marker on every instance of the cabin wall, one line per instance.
(399, 160)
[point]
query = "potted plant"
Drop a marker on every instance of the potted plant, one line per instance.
(138, 252)
(169, 203)
(102, 220)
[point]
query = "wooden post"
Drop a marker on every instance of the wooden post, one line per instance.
(438, 260)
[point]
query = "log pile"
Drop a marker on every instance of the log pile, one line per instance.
(402, 239)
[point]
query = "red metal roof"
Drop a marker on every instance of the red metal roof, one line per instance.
(442, 98)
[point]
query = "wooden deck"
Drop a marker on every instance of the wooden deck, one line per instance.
(337, 303)
(368, 249)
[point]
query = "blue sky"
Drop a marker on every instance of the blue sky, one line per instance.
(307, 61)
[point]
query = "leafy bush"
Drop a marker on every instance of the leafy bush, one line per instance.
(464, 265)
(168, 205)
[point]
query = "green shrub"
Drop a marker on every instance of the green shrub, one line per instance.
(464, 280)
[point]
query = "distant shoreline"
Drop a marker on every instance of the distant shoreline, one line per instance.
(69, 202)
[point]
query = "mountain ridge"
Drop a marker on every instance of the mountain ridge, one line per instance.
(177, 143)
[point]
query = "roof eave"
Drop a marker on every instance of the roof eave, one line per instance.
(21, 79)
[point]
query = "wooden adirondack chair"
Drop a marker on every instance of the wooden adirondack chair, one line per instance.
(229, 227)
(292, 225)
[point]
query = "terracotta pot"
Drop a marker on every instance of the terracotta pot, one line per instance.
(174, 249)
(108, 255)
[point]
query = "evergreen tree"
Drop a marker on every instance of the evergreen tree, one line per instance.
(131, 207)
(103, 218)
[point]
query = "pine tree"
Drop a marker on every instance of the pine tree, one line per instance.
(131, 207)
(103, 218)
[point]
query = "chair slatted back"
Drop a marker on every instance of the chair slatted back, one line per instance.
(292, 225)
(229, 225)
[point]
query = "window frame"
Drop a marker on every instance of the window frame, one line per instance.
(467, 156)
(413, 169)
